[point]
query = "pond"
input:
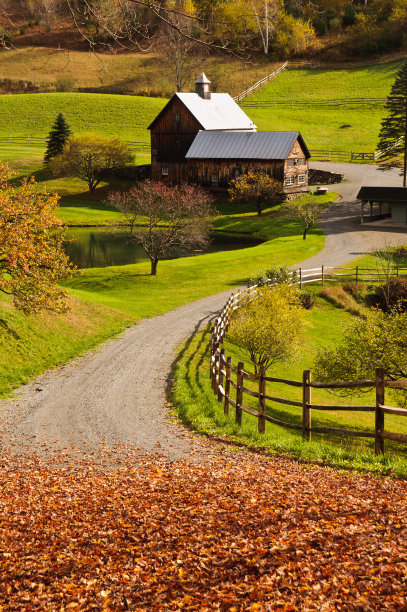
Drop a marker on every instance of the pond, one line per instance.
(101, 247)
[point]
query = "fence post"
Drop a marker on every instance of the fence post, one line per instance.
(379, 414)
(215, 363)
(300, 278)
(306, 400)
(357, 276)
(322, 275)
(220, 375)
(262, 400)
(227, 385)
(212, 344)
(239, 393)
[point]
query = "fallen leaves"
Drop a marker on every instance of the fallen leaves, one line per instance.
(244, 534)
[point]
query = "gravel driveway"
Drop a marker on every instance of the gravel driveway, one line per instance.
(115, 396)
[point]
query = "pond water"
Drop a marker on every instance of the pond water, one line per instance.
(101, 247)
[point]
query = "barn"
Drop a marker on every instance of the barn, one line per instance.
(206, 138)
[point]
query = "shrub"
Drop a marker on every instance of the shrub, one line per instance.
(307, 300)
(65, 84)
(273, 275)
(391, 294)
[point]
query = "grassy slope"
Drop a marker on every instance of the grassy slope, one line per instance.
(197, 406)
(31, 344)
(321, 127)
(132, 73)
(125, 116)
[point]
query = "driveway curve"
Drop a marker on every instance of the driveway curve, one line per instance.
(115, 396)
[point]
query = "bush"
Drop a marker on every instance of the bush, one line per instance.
(391, 294)
(307, 300)
(273, 275)
(65, 84)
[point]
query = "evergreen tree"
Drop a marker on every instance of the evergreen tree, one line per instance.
(57, 138)
(393, 133)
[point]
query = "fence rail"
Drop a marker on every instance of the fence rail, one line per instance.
(228, 380)
(328, 103)
(267, 78)
(138, 145)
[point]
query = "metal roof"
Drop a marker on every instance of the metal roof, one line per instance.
(244, 145)
(203, 79)
(219, 112)
(384, 194)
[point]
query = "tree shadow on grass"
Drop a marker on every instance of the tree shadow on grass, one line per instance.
(8, 329)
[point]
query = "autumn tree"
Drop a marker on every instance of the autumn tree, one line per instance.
(177, 217)
(307, 212)
(393, 133)
(32, 259)
(377, 339)
(90, 156)
(57, 138)
(268, 325)
(257, 188)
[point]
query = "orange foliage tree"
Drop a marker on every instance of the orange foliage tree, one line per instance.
(32, 260)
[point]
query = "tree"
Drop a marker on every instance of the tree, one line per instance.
(177, 217)
(378, 339)
(256, 187)
(393, 133)
(90, 156)
(57, 138)
(32, 259)
(268, 325)
(177, 50)
(306, 212)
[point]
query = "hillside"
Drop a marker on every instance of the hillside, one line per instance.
(339, 127)
(33, 114)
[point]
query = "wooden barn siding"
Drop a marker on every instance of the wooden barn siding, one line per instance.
(172, 139)
(201, 171)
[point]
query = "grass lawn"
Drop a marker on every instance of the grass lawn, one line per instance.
(197, 406)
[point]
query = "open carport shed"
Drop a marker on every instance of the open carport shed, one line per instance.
(384, 201)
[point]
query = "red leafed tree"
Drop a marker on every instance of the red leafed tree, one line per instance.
(32, 260)
(163, 218)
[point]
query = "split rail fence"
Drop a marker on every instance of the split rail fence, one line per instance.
(229, 380)
(267, 78)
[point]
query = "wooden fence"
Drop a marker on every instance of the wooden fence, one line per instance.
(328, 103)
(263, 81)
(38, 141)
(228, 382)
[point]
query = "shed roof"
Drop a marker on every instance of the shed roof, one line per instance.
(219, 112)
(384, 194)
(244, 145)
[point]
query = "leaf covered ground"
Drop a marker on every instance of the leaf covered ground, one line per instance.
(238, 532)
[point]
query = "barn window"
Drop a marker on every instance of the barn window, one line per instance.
(215, 180)
(177, 117)
(164, 171)
(301, 179)
(302, 161)
(291, 162)
(237, 172)
(289, 180)
(153, 151)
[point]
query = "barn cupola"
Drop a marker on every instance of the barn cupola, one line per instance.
(202, 86)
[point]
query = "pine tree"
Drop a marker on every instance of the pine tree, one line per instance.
(57, 138)
(393, 133)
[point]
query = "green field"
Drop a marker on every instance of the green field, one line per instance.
(33, 114)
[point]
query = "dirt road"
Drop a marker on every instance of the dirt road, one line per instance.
(116, 395)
